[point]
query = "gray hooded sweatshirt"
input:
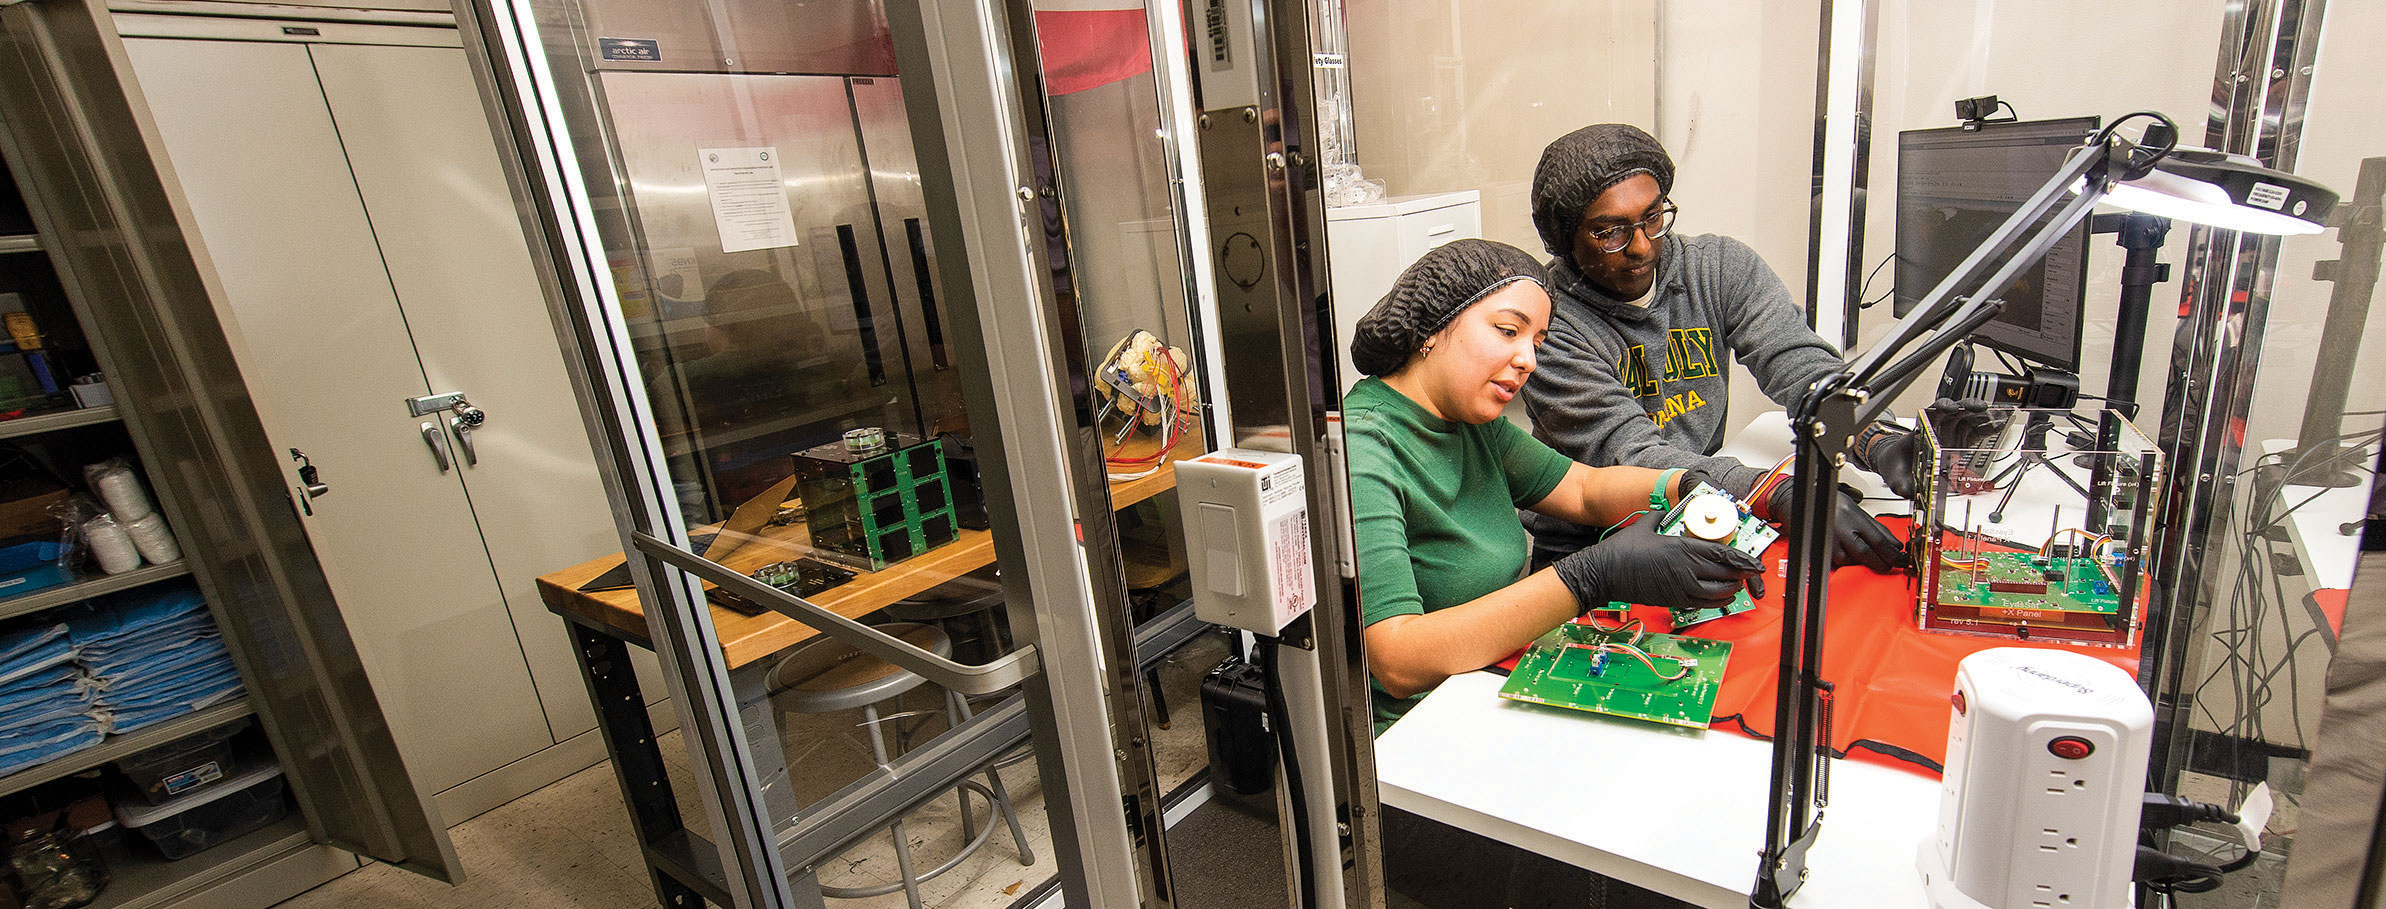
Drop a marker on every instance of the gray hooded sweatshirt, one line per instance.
(1648, 386)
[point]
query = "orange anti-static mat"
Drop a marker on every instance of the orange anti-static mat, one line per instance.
(1892, 679)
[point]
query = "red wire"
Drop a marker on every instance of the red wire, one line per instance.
(1176, 427)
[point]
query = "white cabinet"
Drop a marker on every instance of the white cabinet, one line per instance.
(1368, 245)
(348, 196)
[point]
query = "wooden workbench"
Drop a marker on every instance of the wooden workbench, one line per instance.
(747, 638)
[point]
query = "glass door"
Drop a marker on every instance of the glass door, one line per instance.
(891, 323)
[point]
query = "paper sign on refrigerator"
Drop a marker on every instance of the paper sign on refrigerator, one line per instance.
(749, 202)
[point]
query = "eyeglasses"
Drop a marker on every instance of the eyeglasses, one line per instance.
(1654, 227)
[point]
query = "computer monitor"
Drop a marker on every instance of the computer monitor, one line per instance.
(1954, 187)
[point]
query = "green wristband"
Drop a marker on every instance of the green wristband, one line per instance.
(1657, 499)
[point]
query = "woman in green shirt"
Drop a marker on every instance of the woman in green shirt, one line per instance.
(1436, 478)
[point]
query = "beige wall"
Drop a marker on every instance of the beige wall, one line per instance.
(1737, 113)
(1463, 94)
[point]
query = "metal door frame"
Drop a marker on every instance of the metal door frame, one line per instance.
(1255, 105)
(2261, 84)
(972, 101)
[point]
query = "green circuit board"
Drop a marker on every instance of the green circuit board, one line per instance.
(2019, 581)
(1566, 668)
(1753, 537)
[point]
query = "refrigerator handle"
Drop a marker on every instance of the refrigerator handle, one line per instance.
(922, 277)
(860, 292)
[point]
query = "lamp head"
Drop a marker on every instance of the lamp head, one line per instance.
(2232, 192)
(2158, 176)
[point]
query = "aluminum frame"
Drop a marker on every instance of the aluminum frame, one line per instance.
(976, 125)
(1253, 117)
(2261, 84)
(1843, 119)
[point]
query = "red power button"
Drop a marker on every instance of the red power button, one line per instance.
(1959, 704)
(2071, 747)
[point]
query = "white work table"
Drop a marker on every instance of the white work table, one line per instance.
(1677, 811)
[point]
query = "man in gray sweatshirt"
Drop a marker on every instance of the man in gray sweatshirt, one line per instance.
(1643, 327)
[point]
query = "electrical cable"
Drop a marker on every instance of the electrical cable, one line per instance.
(1863, 302)
(1280, 719)
(1681, 669)
(1627, 519)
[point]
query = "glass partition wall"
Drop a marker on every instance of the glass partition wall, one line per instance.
(2247, 371)
(891, 320)
(2248, 365)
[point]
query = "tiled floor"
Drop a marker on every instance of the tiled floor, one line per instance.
(570, 845)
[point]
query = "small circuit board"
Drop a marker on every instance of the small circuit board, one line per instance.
(2028, 581)
(1712, 514)
(1586, 668)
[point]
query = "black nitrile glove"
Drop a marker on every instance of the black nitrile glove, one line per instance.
(1856, 537)
(1638, 565)
(1892, 451)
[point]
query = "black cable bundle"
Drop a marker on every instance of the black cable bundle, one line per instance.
(1280, 720)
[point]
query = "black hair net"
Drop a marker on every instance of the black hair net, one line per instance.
(1432, 291)
(1584, 163)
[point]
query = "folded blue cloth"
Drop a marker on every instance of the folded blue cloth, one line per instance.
(162, 637)
(160, 665)
(133, 613)
(29, 656)
(39, 681)
(18, 642)
(34, 736)
(177, 689)
(50, 741)
(125, 720)
(17, 721)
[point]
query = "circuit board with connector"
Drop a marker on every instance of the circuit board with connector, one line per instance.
(1662, 678)
(1712, 514)
(2028, 581)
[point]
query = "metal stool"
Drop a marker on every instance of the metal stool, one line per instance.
(973, 597)
(826, 675)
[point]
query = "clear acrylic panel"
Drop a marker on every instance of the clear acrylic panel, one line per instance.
(2045, 529)
(2275, 659)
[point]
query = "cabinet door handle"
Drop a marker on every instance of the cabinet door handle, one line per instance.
(433, 437)
(311, 485)
(467, 419)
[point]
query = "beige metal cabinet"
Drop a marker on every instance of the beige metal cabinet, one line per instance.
(119, 241)
(1369, 245)
(351, 203)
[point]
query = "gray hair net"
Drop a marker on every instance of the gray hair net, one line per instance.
(1431, 292)
(1581, 165)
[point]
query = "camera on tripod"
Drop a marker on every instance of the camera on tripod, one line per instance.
(2035, 387)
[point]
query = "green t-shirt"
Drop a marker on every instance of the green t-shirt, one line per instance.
(1433, 505)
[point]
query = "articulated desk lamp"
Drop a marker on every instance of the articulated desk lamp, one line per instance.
(2152, 175)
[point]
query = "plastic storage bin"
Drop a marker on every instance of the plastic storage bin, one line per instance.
(184, 766)
(183, 826)
(27, 567)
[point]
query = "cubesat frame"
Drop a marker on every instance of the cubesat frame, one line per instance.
(2086, 584)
